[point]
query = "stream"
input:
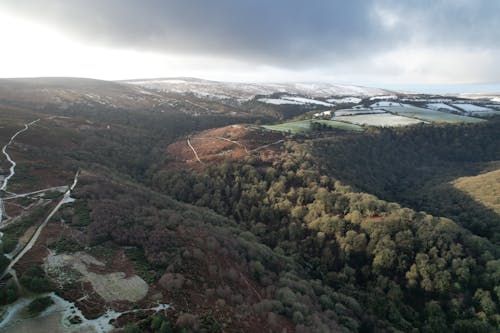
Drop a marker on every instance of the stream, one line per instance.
(59, 317)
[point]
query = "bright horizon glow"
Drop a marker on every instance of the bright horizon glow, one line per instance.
(35, 50)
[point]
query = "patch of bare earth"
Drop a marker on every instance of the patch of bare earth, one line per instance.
(231, 142)
(112, 286)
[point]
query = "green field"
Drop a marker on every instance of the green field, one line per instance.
(340, 125)
(380, 120)
(305, 126)
(430, 115)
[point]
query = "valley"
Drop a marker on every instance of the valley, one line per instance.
(204, 206)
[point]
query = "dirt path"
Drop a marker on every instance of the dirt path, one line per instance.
(265, 146)
(50, 189)
(4, 151)
(66, 198)
(197, 105)
(12, 168)
(222, 138)
(194, 151)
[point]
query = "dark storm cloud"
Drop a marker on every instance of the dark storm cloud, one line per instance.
(269, 31)
(278, 32)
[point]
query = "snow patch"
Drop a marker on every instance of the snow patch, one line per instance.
(305, 100)
(374, 98)
(277, 101)
(248, 91)
(441, 106)
(345, 100)
(385, 104)
(472, 108)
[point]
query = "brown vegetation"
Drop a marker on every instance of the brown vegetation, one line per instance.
(231, 142)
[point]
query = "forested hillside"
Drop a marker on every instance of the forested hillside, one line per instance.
(326, 231)
(417, 165)
(402, 269)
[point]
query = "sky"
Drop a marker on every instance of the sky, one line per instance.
(411, 44)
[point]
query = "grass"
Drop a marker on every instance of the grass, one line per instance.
(65, 245)
(291, 127)
(302, 126)
(52, 195)
(382, 120)
(340, 125)
(22, 179)
(104, 251)
(8, 244)
(484, 188)
(18, 229)
(431, 115)
(24, 201)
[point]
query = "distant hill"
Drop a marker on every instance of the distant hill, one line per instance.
(188, 215)
(67, 92)
(250, 90)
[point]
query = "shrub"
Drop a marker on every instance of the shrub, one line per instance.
(39, 305)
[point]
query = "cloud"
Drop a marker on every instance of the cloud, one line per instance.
(277, 32)
(333, 36)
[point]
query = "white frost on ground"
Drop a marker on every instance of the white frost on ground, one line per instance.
(353, 112)
(293, 100)
(472, 108)
(381, 120)
(374, 98)
(441, 106)
(354, 100)
(278, 101)
(115, 286)
(385, 104)
(305, 100)
(323, 114)
(58, 317)
(246, 91)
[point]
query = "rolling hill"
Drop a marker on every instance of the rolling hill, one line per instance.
(121, 217)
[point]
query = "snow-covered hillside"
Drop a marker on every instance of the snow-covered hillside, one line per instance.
(345, 100)
(238, 90)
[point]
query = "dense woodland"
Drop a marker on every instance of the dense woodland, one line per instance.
(415, 165)
(288, 243)
(408, 270)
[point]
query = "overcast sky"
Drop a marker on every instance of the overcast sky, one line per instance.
(372, 42)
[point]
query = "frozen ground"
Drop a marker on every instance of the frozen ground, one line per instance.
(380, 120)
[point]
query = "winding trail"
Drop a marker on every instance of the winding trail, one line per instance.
(265, 146)
(229, 140)
(194, 151)
(197, 105)
(222, 138)
(50, 189)
(13, 164)
(66, 198)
